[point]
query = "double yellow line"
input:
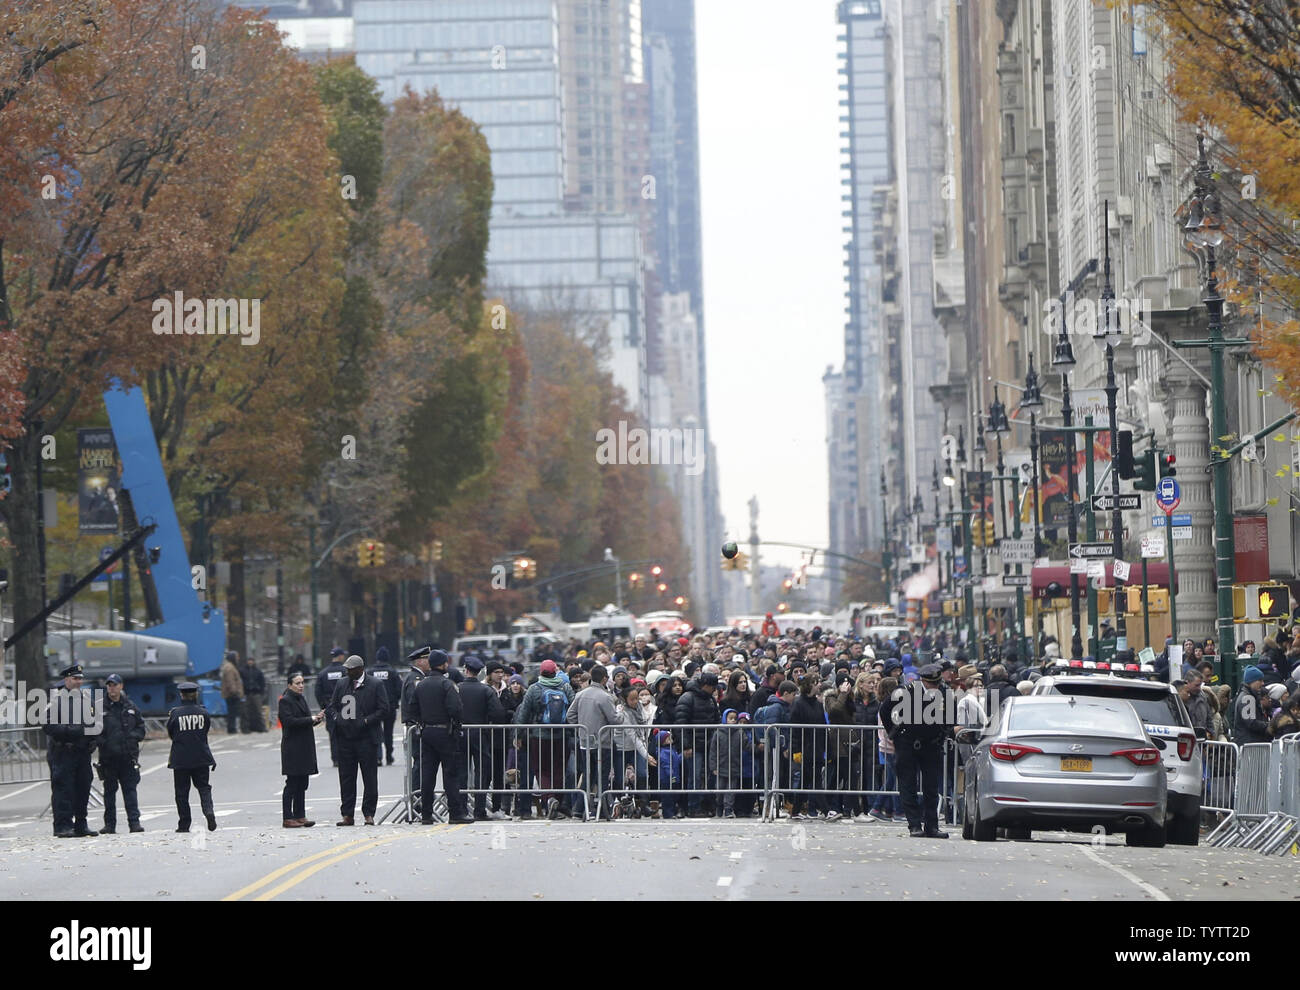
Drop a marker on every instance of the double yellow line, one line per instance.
(327, 857)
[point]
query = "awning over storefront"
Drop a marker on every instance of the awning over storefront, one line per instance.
(1157, 577)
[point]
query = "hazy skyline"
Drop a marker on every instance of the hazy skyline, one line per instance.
(773, 260)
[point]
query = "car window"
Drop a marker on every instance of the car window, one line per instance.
(1110, 719)
(1157, 708)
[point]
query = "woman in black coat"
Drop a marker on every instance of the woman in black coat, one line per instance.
(297, 751)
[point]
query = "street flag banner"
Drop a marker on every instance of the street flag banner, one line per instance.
(99, 479)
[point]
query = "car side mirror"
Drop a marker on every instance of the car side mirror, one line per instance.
(969, 737)
(1200, 732)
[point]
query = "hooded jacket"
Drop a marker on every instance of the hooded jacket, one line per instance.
(697, 707)
(593, 709)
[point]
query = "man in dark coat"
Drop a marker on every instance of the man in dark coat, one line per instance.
(330, 677)
(419, 661)
(697, 707)
(359, 706)
(440, 715)
(297, 750)
(383, 672)
(119, 755)
(481, 706)
(191, 759)
(299, 666)
(919, 718)
(73, 732)
(254, 696)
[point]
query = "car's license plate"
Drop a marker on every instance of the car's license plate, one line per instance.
(1078, 764)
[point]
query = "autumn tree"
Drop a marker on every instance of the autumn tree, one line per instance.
(152, 184)
(1236, 71)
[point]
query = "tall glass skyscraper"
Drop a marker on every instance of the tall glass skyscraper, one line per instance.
(861, 431)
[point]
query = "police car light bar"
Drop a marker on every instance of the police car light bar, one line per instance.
(1144, 671)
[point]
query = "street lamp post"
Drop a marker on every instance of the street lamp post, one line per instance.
(998, 426)
(1203, 230)
(1108, 335)
(1032, 399)
(980, 449)
(938, 522)
(1063, 358)
(967, 518)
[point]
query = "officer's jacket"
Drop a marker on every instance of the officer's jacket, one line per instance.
(386, 676)
(123, 730)
(327, 680)
(480, 704)
(188, 725)
(364, 714)
(437, 701)
(410, 713)
(71, 721)
(919, 714)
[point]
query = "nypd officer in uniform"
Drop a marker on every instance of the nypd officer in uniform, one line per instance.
(119, 755)
(326, 681)
(922, 717)
(359, 704)
(191, 759)
(419, 661)
(73, 730)
(383, 672)
(439, 712)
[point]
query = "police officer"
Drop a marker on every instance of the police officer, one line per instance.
(922, 716)
(359, 705)
(481, 706)
(119, 755)
(73, 729)
(383, 672)
(439, 712)
(191, 759)
(326, 681)
(419, 661)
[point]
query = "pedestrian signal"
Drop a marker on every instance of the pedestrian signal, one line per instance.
(1274, 601)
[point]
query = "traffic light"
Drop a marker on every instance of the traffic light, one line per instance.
(377, 557)
(1144, 475)
(1104, 600)
(365, 551)
(1134, 600)
(1124, 454)
(436, 550)
(1274, 601)
(1166, 463)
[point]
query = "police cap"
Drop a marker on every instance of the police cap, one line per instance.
(73, 671)
(414, 655)
(338, 651)
(186, 686)
(473, 664)
(437, 658)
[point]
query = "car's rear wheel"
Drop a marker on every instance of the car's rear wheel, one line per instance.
(981, 830)
(1148, 837)
(1185, 830)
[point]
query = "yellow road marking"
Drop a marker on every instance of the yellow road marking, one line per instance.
(335, 856)
(285, 869)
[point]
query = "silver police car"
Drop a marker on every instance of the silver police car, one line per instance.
(1054, 762)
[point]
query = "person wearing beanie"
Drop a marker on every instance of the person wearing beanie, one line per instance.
(1249, 714)
(541, 752)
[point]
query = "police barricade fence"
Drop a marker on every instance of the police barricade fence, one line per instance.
(1250, 797)
(1218, 775)
(841, 771)
(503, 770)
(22, 755)
(676, 771)
(1281, 827)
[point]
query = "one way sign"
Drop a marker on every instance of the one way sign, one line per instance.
(1106, 502)
(1085, 551)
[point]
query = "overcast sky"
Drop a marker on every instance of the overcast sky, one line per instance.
(773, 263)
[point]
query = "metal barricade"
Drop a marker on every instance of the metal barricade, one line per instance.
(22, 755)
(1280, 829)
(1218, 775)
(679, 771)
(1250, 798)
(504, 768)
(837, 771)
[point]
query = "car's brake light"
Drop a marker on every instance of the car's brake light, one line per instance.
(1010, 752)
(1145, 757)
(1186, 745)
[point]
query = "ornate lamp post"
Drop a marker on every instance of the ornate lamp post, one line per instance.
(1063, 359)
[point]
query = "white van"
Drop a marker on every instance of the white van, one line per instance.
(482, 644)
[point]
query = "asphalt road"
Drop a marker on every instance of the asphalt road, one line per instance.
(251, 857)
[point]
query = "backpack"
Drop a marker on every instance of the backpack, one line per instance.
(555, 706)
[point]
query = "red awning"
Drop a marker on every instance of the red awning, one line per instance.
(1157, 576)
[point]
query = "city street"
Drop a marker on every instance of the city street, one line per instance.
(250, 857)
